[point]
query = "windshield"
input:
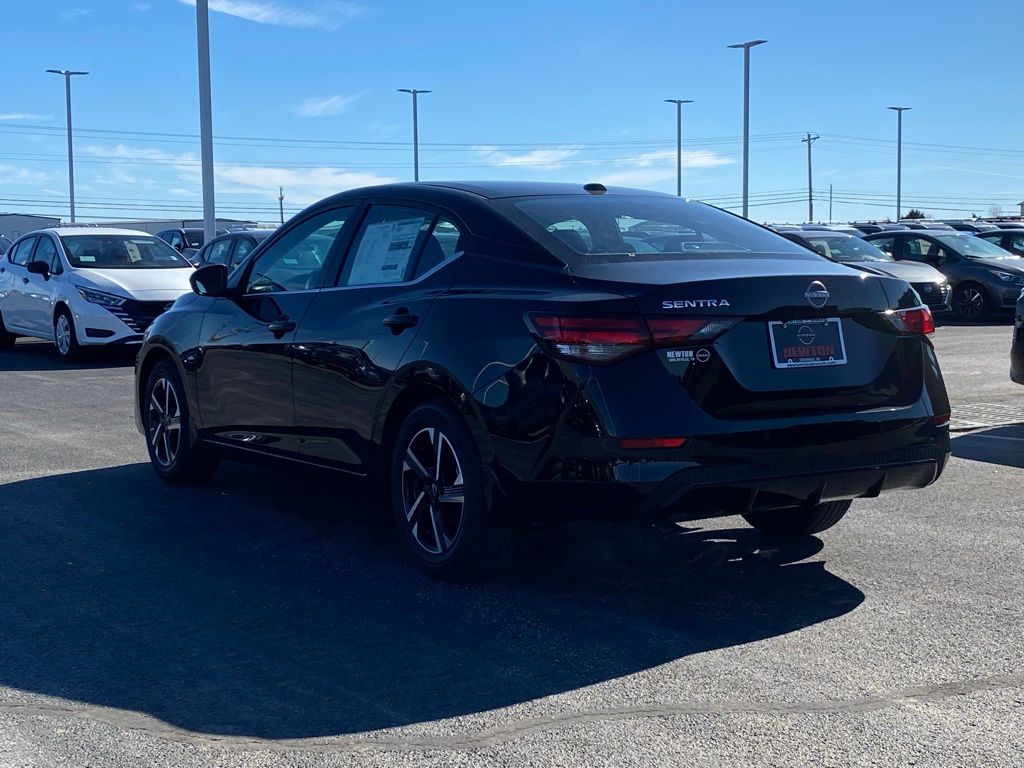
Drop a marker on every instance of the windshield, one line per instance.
(590, 229)
(121, 252)
(844, 249)
(974, 247)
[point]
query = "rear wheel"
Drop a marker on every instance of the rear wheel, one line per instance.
(64, 336)
(175, 454)
(440, 499)
(799, 521)
(7, 338)
(971, 302)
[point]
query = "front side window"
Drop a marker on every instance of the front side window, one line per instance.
(296, 261)
(1017, 244)
(121, 252)
(586, 229)
(244, 248)
(388, 242)
(885, 244)
(21, 253)
(922, 249)
(46, 252)
(845, 249)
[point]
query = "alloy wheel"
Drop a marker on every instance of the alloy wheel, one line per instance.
(62, 334)
(432, 491)
(971, 303)
(164, 419)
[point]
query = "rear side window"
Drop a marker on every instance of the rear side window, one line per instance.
(22, 251)
(593, 229)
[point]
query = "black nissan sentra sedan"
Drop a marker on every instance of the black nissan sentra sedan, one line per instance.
(501, 354)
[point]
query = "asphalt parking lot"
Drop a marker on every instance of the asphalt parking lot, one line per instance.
(230, 625)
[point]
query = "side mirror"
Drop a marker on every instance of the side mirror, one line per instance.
(39, 268)
(210, 280)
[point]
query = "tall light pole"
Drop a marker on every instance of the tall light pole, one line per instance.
(679, 142)
(68, 74)
(899, 157)
(415, 131)
(810, 184)
(746, 116)
(205, 118)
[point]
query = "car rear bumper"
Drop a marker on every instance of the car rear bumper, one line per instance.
(704, 480)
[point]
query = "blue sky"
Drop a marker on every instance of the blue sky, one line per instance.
(565, 90)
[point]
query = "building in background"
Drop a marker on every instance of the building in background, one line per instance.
(159, 225)
(14, 225)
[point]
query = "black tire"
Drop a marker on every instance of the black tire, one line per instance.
(971, 302)
(800, 521)
(65, 338)
(469, 545)
(175, 454)
(7, 338)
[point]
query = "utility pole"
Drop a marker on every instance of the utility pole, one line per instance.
(830, 203)
(746, 116)
(68, 74)
(205, 118)
(1021, 204)
(679, 142)
(280, 201)
(810, 184)
(899, 157)
(415, 131)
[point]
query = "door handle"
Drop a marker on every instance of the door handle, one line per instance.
(401, 320)
(280, 327)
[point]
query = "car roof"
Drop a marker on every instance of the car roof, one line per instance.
(489, 189)
(825, 232)
(1002, 231)
(73, 231)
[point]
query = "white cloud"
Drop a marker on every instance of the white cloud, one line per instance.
(24, 116)
(10, 174)
(549, 159)
(654, 167)
(73, 13)
(324, 14)
(302, 185)
(141, 7)
(329, 105)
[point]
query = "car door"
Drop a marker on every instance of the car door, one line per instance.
(244, 372)
(17, 286)
(40, 290)
(358, 331)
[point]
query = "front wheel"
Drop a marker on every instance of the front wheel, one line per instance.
(175, 454)
(799, 521)
(440, 498)
(64, 336)
(7, 338)
(971, 302)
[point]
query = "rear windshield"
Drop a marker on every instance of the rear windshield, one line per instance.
(844, 249)
(582, 230)
(121, 252)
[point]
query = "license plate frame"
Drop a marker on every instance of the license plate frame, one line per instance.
(804, 335)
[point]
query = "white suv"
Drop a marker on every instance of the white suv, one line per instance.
(86, 286)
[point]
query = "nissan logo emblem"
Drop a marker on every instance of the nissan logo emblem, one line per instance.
(817, 294)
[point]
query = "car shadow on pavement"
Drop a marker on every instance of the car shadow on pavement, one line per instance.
(999, 445)
(270, 605)
(41, 356)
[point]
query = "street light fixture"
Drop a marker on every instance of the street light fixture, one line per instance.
(899, 157)
(679, 142)
(746, 115)
(415, 131)
(68, 74)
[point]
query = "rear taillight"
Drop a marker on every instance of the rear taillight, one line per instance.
(596, 339)
(651, 443)
(917, 320)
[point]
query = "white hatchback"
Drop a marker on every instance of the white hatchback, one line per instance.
(86, 286)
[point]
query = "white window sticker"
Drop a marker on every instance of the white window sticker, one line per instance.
(133, 252)
(384, 252)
